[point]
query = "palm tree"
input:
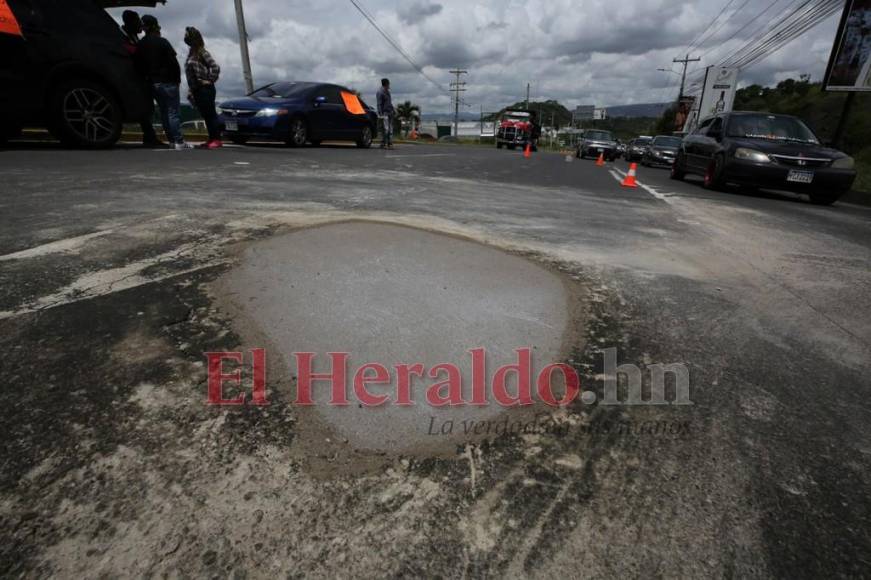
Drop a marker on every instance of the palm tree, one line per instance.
(408, 114)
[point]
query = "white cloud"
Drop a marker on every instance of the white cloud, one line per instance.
(597, 51)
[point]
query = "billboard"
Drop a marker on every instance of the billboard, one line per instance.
(718, 94)
(850, 63)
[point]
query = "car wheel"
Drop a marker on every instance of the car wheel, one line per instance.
(714, 174)
(86, 114)
(498, 145)
(677, 169)
(824, 199)
(239, 140)
(512, 147)
(365, 140)
(298, 133)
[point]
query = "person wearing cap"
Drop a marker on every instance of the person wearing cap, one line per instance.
(157, 61)
(132, 28)
(202, 73)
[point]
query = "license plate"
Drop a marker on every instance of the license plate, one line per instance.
(800, 176)
(231, 125)
(600, 150)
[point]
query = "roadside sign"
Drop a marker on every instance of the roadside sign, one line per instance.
(850, 64)
(718, 95)
(8, 23)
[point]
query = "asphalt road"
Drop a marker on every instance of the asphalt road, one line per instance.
(110, 293)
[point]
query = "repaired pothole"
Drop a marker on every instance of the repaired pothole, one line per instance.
(393, 295)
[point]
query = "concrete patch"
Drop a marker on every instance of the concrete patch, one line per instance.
(391, 294)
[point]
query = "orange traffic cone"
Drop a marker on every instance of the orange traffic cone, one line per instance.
(600, 162)
(630, 177)
(528, 151)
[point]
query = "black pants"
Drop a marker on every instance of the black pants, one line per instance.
(204, 97)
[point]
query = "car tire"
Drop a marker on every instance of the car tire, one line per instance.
(85, 114)
(298, 135)
(511, 147)
(678, 172)
(714, 174)
(8, 133)
(498, 145)
(365, 139)
(239, 140)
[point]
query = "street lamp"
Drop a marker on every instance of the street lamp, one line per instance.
(668, 70)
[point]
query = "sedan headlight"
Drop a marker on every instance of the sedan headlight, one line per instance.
(844, 163)
(751, 155)
(270, 112)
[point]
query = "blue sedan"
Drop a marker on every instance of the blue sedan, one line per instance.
(299, 113)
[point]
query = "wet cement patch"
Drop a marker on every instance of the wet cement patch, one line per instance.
(393, 295)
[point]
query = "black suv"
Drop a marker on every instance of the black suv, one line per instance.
(70, 72)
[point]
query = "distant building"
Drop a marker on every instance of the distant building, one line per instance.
(600, 114)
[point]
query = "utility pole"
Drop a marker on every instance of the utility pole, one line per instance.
(457, 87)
(527, 96)
(243, 44)
(683, 78)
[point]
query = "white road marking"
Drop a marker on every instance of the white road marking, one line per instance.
(419, 156)
(58, 247)
(619, 175)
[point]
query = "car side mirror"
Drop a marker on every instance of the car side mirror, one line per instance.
(320, 101)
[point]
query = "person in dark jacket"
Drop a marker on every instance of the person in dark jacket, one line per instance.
(132, 28)
(157, 61)
(202, 73)
(386, 112)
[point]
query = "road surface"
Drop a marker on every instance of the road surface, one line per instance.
(110, 292)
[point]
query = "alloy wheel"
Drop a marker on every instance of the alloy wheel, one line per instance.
(88, 114)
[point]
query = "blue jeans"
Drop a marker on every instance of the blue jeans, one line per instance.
(387, 122)
(169, 101)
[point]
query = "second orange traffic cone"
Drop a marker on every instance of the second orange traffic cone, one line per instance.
(528, 151)
(600, 162)
(630, 177)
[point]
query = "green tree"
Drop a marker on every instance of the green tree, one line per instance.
(408, 113)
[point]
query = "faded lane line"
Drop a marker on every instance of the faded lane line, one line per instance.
(58, 247)
(421, 156)
(620, 175)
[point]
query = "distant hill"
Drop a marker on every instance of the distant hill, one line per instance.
(637, 111)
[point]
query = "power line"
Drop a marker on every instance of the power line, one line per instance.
(692, 44)
(395, 44)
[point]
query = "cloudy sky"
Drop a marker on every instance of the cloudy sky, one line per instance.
(598, 52)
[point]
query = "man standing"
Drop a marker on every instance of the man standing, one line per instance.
(386, 112)
(157, 61)
(132, 28)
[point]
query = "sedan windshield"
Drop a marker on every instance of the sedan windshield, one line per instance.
(281, 90)
(599, 136)
(667, 142)
(771, 127)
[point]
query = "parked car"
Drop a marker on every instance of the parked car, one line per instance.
(635, 149)
(766, 151)
(69, 71)
(297, 113)
(661, 151)
(595, 142)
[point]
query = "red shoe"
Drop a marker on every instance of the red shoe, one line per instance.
(216, 144)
